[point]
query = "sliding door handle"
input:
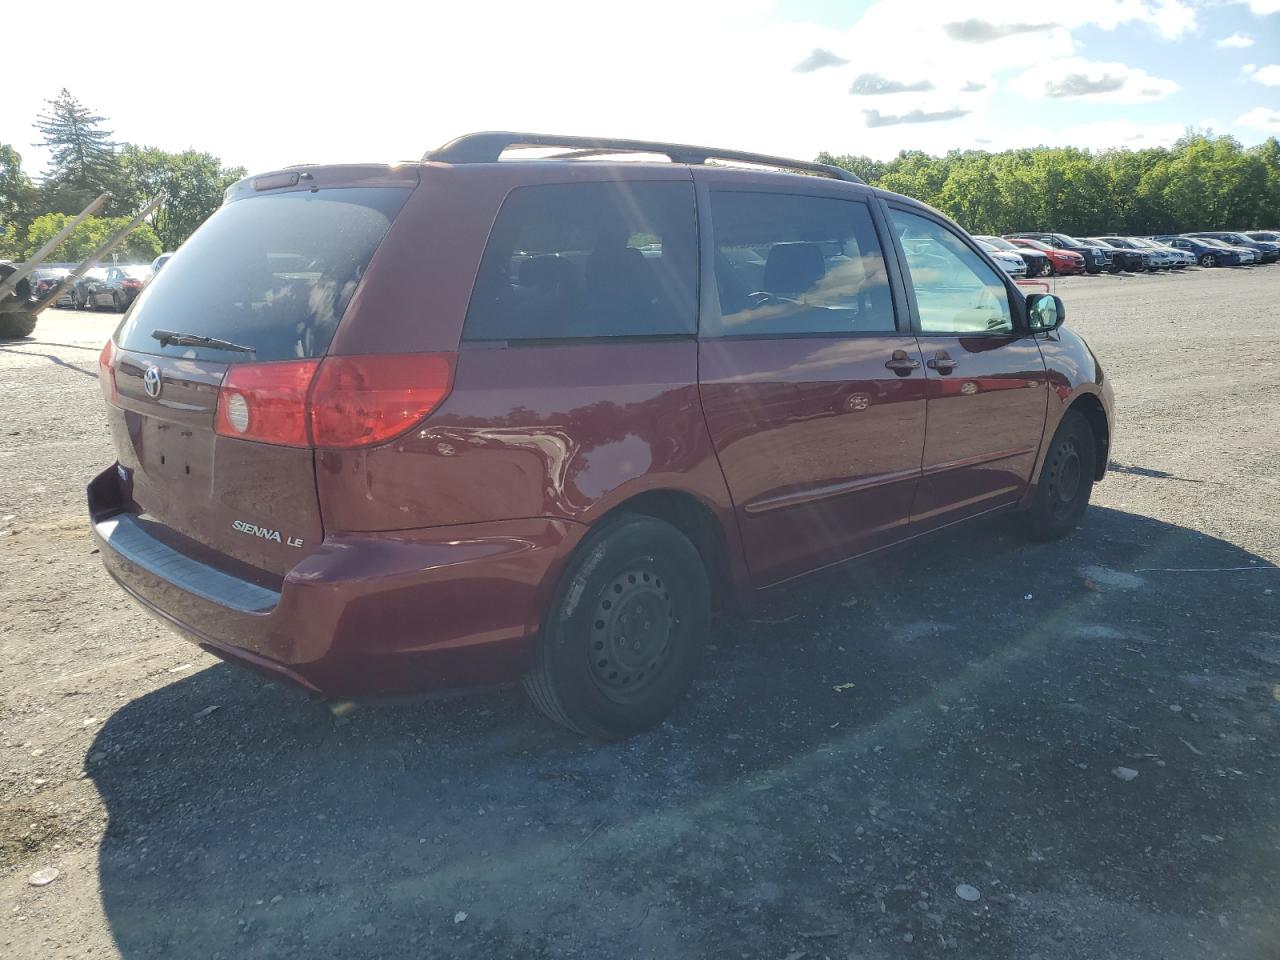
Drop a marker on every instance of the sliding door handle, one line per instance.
(942, 362)
(901, 364)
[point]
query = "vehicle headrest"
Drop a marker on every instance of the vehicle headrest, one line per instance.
(793, 268)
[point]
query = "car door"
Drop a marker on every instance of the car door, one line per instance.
(988, 389)
(811, 380)
(115, 276)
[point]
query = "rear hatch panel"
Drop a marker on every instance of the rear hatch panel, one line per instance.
(254, 502)
(274, 270)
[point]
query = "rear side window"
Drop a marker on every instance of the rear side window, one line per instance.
(793, 265)
(273, 272)
(589, 260)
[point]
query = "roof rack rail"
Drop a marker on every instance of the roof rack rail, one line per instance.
(488, 147)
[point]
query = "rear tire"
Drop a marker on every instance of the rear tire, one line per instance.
(1208, 260)
(14, 326)
(1066, 480)
(621, 636)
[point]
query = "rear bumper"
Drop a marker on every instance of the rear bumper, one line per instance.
(375, 613)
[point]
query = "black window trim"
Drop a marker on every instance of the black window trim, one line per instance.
(1017, 299)
(709, 296)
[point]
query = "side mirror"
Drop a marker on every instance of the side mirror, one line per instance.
(1045, 312)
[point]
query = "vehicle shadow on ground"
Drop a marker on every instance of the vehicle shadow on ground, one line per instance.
(52, 358)
(855, 748)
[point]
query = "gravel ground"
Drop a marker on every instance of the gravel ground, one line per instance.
(932, 754)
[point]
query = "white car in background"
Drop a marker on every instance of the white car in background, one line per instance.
(1010, 263)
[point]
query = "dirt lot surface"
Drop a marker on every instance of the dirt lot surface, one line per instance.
(925, 755)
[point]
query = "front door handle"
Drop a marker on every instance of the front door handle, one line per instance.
(901, 364)
(942, 362)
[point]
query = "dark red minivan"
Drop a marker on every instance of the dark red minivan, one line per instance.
(483, 418)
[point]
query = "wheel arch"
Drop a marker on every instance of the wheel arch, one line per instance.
(1090, 407)
(696, 520)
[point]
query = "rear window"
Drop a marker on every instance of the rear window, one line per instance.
(587, 260)
(273, 272)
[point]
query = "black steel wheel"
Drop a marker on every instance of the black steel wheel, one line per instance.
(631, 634)
(620, 639)
(1066, 480)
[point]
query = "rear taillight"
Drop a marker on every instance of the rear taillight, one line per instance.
(357, 401)
(266, 402)
(338, 402)
(107, 372)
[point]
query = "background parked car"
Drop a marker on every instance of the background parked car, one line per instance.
(1010, 263)
(1247, 254)
(159, 262)
(80, 290)
(1124, 258)
(1178, 259)
(1155, 261)
(45, 279)
(114, 287)
(1271, 236)
(1208, 253)
(1038, 264)
(1060, 261)
(1096, 258)
(1267, 252)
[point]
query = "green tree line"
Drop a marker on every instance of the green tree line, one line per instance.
(1202, 182)
(84, 162)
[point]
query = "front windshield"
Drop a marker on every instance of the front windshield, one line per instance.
(999, 243)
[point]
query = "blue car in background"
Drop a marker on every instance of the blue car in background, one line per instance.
(1207, 253)
(1267, 252)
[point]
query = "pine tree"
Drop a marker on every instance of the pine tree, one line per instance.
(83, 154)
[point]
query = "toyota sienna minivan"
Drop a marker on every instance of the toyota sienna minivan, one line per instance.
(487, 418)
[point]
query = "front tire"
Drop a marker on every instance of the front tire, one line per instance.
(1066, 480)
(621, 637)
(1208, 260)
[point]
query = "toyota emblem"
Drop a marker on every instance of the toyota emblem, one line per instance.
(151, 382)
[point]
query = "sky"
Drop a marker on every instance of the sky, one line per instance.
(269, 84)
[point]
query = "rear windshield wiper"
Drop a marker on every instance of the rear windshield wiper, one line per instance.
(167, 337)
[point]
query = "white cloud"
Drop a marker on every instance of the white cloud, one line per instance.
(1268, 75)
(1237, 40)
(1262, 7)
(1264, 119)
(1073, 78)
